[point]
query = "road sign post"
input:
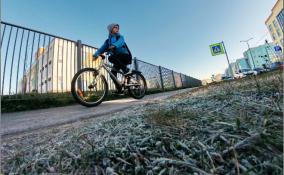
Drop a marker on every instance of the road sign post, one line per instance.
(218, 49)
(228, 59)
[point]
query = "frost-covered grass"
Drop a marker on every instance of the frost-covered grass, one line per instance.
(228, 128)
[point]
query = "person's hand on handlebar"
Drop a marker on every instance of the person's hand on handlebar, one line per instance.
(101, 55)
(111, 48)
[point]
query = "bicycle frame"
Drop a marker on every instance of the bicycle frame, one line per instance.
(108, 67)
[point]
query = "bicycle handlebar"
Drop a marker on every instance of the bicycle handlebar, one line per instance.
(103, 56)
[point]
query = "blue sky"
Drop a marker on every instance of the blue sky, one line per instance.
(172, 33)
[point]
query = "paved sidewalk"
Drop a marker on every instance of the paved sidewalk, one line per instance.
(19, 122)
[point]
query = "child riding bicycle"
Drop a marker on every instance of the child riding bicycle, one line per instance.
(119, 53)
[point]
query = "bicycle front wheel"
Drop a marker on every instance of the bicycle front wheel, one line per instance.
(88, 87)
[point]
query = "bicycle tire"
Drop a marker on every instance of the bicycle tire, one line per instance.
(131, 93)
(80, 100)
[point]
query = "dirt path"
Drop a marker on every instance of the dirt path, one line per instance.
(19, 122)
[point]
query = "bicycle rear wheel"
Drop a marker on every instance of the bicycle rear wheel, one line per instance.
(88, 87)
(136, 85)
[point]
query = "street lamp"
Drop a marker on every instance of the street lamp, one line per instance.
(249, 50)
(266, 46)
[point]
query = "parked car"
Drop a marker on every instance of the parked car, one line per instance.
(247, 72)
(277, 65)
(224, 77)
(238, 75)
(260, 70)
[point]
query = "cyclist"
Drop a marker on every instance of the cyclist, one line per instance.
(119, 53)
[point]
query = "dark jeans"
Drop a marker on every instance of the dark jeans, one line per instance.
(119, 61)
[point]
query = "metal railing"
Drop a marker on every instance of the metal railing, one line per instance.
(35, 63)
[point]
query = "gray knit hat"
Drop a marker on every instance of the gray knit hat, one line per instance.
(110, 27)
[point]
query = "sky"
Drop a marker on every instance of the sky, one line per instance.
(175, 34)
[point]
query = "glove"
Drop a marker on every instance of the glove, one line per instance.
(95, 57)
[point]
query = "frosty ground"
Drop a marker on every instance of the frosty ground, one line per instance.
(233, 127)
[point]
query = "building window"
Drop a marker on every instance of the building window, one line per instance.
(275, 24)
(49, 79)
(51, 49)
(270, 28)
(278, 32)
(273, 37)
(280, 19)
(49, 62)
(45, 66)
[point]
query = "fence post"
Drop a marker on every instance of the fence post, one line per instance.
(181, 79)
(135, 64)
(161, 78)
(174, 79)
(79, 58)
(79, 54)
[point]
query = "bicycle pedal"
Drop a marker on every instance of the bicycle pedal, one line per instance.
(91, 86)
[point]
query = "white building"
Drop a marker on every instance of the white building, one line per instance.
(242, 63)
(261, 55)
(54, 67)
(234, 68)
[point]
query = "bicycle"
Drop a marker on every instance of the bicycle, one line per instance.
(89, 86)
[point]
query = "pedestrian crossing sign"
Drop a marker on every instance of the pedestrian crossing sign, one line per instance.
(217, 49)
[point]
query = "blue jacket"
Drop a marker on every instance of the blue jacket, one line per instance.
(111, 41)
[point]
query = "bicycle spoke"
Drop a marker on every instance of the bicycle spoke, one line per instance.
(137, 86)
(91, 92)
